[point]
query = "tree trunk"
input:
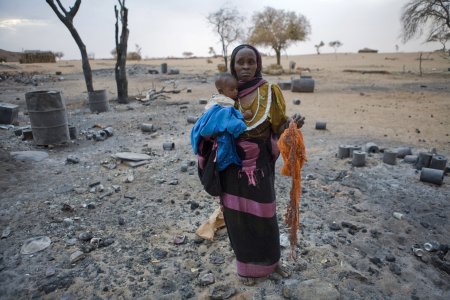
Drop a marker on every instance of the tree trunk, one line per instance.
(84, 57)
(66, 18)
(278, 53)
(121, 49)
(420, 64)
(225, 55)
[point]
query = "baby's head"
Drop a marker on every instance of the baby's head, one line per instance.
(227, 85)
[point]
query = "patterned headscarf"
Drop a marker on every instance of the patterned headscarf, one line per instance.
(248, 87)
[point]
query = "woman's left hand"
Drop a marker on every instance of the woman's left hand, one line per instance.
(297, 118)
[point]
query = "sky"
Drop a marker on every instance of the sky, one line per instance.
(168, 28)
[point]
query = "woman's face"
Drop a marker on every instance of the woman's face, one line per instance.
(245, 64)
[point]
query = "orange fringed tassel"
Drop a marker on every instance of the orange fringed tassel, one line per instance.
(293, 152)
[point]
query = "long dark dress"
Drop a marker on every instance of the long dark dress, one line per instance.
(248, 198)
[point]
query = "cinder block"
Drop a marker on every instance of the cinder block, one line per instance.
(8, 113)
(284, 85)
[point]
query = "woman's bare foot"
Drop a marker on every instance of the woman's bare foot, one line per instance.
(283, 270)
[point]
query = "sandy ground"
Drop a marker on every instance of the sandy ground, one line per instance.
(368, 256)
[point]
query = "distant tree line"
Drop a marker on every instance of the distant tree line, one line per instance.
(279, 29)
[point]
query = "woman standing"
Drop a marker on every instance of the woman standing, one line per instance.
(248, 192)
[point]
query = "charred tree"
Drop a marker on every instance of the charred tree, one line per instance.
(67, 18)
(121, 52)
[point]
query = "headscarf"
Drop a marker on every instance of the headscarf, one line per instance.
(245, 88)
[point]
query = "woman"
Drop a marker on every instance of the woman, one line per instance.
(248, 193)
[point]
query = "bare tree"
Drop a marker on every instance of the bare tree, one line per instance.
(335, 45)
(227, 23)
(212, 52)
(321, 44)
(278, 29)
(121, 52)
(59, 55)
(442, 36)
(187, 54)
(417, 15)
(67, 18)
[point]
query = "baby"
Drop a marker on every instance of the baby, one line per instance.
(227, 87)
(220, 124)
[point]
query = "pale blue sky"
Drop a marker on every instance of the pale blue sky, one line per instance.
(171, 27)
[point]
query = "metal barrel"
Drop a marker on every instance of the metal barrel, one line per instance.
(302, 85)
(320, 125)
(48, 117)
(98, 101)
(164, 68)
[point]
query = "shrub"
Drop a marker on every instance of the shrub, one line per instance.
(133, 56)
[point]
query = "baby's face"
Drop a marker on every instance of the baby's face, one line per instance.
(231, 89)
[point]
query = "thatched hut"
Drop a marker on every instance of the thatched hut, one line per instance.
(367, 50)
(37, 56)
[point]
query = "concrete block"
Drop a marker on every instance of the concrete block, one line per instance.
(9, 113)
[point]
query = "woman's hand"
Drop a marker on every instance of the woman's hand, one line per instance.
(297, 118)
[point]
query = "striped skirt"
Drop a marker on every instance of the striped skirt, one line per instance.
(249, 207)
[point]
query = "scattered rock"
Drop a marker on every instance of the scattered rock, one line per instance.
(72, 160)
(29, 155)
(390, 258)
(335, 226)
(6, 232)
(35, 244)
(76, 256)
(207, 279)
(67, 208)
(395, 269)
(132, 156)
(85, 236)
(376, 261)
(159, 253)
(221, 292)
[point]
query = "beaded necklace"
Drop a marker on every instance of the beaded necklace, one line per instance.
(242, 110)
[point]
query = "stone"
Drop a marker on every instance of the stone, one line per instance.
(72, 159)
(6, 232)
(376, 261)
(221, 292)
(85, 236)
(390, 258)
(173, 182)
(68, 222)
(132, 156)
(35, 244)
(29, 155)
(207, 279)
(67, 208)
(179, 239)
(159, 253)
(395, 269)
(76, 256)
(284, 240)
(335, 226)
(50, 271)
